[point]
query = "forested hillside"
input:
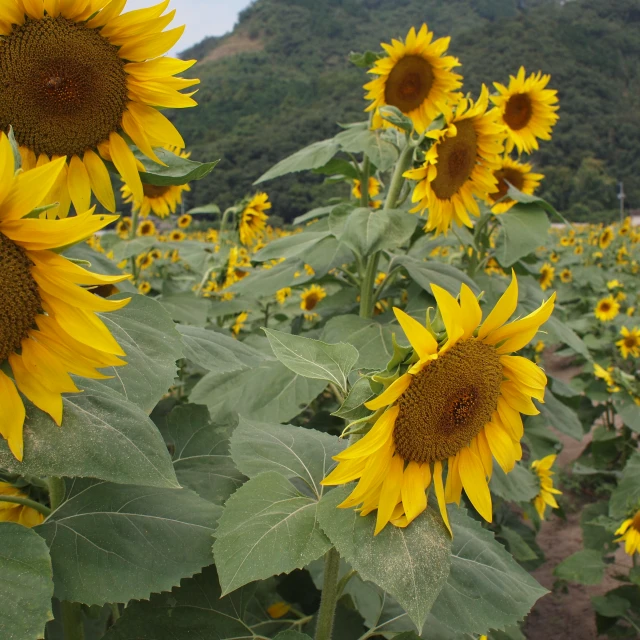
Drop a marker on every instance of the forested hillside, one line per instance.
(282, 80)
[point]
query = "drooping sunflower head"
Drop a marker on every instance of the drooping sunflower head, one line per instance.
(629, 344)
(48, 323)
(629, 532)
(542, 469)
(253, 219)
(458, 405)
(416, 77)
(607, 309)
(13, 512)
(76, 74)
(518, 174)
(527, 110)
(310, 298)
(459, 166)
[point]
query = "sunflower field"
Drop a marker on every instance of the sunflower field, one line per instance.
(354, 426)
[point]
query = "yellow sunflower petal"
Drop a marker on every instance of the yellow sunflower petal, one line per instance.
(390, 394)
(451, 315)
(439, 489)
(503, 310)
(418, 335)
(390, 494)
(12, 416)
(125, 162)
(79, 185)
(380, 434)
(474, 482)
(471, 312)
(100, 180)
(414, 497)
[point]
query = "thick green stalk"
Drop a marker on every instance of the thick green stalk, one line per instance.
(56, 492)
(324, 628)
(72, 621)
(27, 502)
(366, 288)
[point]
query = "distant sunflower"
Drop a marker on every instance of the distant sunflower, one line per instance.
(48, 322)
(415, 77)
(459, 403)
(177, 236)
(144, 260)
(310, 298)
(13, 512)
(374, 190)
(629, 532)
(76, 75)
(547, 273)
(607, 309)
(566, 276)
(520, 175)
(607, 376)
(606, 238)
(629, 345)
(527, 110)
(184, 221)
(459, 166)
(253, 219)
(240, 322)
(144, 287)
(579, 250)
(542, 469)
(147, 228)
(283, 294)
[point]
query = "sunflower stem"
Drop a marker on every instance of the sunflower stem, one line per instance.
(364, 182)
(327, 612)
(57, 492)
(27, 502)
(72, 621)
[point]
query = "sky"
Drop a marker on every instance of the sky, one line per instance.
(202, 17)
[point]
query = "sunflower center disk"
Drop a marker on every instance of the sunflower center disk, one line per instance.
(448, 403)
(63, 86)
(409, 83)
(457, 158)
(518, 111)
(19, 299)
(153, 191)
(507, 175)
(311, 301)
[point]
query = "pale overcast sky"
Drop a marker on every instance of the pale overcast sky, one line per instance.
(202, 17)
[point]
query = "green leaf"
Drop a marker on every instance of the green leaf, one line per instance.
(560, 416)
(149, 338)
(293, 452)
(353, 406)
(216, 351)
(268, 527)
(411, 564)
(372, 339)
(328, 254)
(313, 358)
(26, 587)
(610, 605)
(102, 436)
(628, 410)
(486, 588)
(367, 230)
(125, 249)
(115, 543)
(210, 209)
(626, 496)
(594, 534)
(519, 485)
(201, 453)
(319, 212)
(361, 139)
(292, 635)
(585, 567)
(339, 167)
(269, 391)
(290, 246)
(526, 198)
(519, 549)
(265, 282)
(177, 172)
(312, 157)
(524, 229)
(568, 336)
(444, 275)
(186, 307)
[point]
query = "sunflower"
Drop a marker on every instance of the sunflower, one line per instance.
(527, 110)
(253, 219)
(606, 238)
(240, 322)
(184, 221)
(614, 284)
(566, 276)
(520, 175)
(629, 345)
(177, 236)
(144, 261)
(48, 322)
(542, 469)
(123, 228)
(144, 287)
(415, 77)
(547, 273)
(554, 256)
(283, 294)
(579, 250)
(13, 512)
(459, 403)
(310, 298)
(629, 532)
(458, 166)
(77, 76)
(607, 309)
(374, 190)
(147, 228)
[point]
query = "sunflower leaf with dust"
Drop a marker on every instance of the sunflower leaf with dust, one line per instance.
(313, 358)
(524, 228)
(486, 588)
(267, 527)
(147, 334)
(412, 564)
(194, 608)
(115, 543)
(26, 588)
(104, 436)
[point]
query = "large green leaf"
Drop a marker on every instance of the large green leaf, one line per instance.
(372, 339)
(201, 453)
(196, 610)
(269, 391)
(314, 156)
(626, 496)
(426, 273)
(102, 436)
(216, 351)
(560, 331)
(486, 588)
(294, 452)
(26, 587)
(313, 358)
(177, 170)
(268, 527)
(361, 139)
(367, 230)
(519, 485)
(585, 567)
(290, 246)
(412, 564)
(148, 336)
(114, 543)
(186, 307)
(525, 227)
(265, 282)
(560, 416)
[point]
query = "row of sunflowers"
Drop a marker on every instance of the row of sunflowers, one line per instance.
(344, 427)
